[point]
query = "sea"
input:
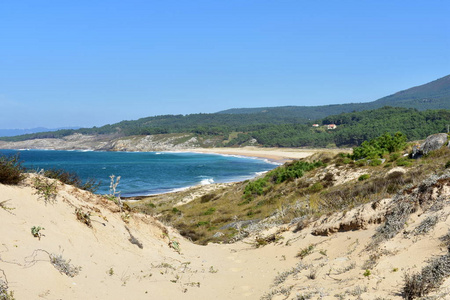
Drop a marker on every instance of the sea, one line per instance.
(145, 173)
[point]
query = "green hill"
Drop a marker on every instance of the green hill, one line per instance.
(290, 126)
(432, 95)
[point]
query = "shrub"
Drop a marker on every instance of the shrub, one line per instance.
(447, 164)
(63, 265)
(202, 223)
(375, 148)
(293, 170)
(72, 179)
(11, 170)
(316, 187)
(207, 198)
(394, 156)
(363, 177)
(255, 188)
(403, 162)
(45, 188)
(210, 211)
(426, 225)
(83, 217)
(361, 162)
(375, 162)
(281, 174)
(429, 279)
(4, 293)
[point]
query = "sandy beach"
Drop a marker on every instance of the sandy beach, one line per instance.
(279, 155)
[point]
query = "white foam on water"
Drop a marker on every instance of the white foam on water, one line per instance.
(207, 181)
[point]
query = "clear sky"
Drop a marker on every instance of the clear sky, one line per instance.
(88, 62)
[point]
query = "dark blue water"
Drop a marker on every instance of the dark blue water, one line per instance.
(145, 173)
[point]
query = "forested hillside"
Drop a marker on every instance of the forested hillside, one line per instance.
(354, 128)
(291, 126)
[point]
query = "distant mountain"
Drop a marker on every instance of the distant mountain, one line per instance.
(14, 132)
(432, 95)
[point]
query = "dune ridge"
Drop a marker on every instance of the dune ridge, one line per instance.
(133, 256)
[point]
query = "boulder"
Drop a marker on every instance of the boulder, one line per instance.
(433, 142)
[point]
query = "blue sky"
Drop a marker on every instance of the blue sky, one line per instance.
(90, 63)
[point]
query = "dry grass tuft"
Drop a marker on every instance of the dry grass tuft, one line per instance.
(429, 279)
(63, 265)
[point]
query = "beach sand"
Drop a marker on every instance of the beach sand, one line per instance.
(274, 154)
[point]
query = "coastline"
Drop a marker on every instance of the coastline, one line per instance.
(275, 155)
(278, 155)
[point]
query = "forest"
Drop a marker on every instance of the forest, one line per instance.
(284, 131)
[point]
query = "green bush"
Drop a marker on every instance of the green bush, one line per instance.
(281, 174)
(72, 178)
(361, 162)
(375, 162)
(403, 162)
(447, 164)
(11, 170)
(394, 156)
(375, 148)
(364, 177)
(256, 187)
(210, 211)
(293, 170)
(316, 187)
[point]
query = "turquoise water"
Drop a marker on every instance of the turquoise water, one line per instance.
(146, 173)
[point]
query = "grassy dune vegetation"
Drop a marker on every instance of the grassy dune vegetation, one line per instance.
(298, 192)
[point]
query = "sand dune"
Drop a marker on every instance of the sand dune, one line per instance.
(135, 257)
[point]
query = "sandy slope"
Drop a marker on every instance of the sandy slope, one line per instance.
(154, 272)
(114, 268)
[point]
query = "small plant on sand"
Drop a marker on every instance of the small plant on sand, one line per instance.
(4, 293)
(305, 251)
(45, 188)
(3, 206)
(367, 273)
(125, 217)
(111, 271)
(174, 244)
(63, 265)
(114, 195)
(84, 217)
(261, 241)
(36, 231)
